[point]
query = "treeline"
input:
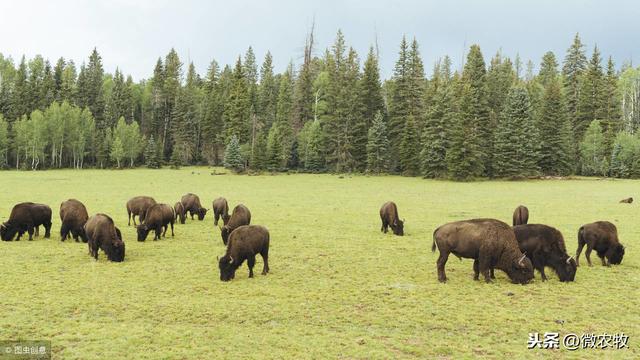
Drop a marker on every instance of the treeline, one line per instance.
(330, 114)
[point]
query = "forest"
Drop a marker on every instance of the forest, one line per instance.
(493, 118)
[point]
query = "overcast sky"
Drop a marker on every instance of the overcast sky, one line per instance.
(133, 34)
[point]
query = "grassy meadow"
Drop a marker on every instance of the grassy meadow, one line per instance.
(338, 287)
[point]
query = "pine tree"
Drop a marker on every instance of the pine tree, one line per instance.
(232, 155)
(556, 135)
(378, 146)
(371, 89)
(611, 113)
(4, 143)
(592, 151)
(267, 93)
(462, 155)
(150, 154)
(409, 158)
(516, 152)
(237, 108)
(591, 105)
(314, 155)
(575, 63)
(259, 155)
(398, 102)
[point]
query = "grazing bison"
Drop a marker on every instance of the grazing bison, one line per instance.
(103, 234)
(191, 203)
(179, 212)
(74, 215)
(544, 245)
(220, 210)
(491, 243)
(389, 217)
(627, 200)
(244, 243)
(26, 217)
(520, 215)
(240, 216)
(603, 237)
(138, 206)
(157, 217)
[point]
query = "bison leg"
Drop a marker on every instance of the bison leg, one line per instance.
(265, 260)
(157, 231)
(251, 261)
(37, 231)
(385, 226)
(47, 230)
(216, 216)
(30, 231)
(164, 233)
(587, 254)
(191, 213)
(476, 271)
(604, 261)
(442, 261)
(484, 267)
(129, 213)
(172, 229)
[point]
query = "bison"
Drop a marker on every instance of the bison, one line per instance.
(544, 245)
(626, 201)
(220, 210)
(520, 215)
(26, 217)
(191, 204)
(74, 215)
(103, 234)
(138, 206)
(240, 216)
(603, 237)
(389, 217)
(491, 243)
(179, 212)
(157, 217)
(244, 243)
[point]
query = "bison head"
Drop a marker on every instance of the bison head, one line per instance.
(143, 231)
(227, 268)
(398, 227)
(224, 232)
(616, 254)
(7, 231)
(201, 213)
(116, 252)
(521, 271)
(566, 269)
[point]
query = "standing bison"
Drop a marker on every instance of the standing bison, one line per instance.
(545, 246)
(491, 243)
(520, 215)
(244, 243)
(179, 212)
(26, 217)
(603, 237)
(191, 204)
(389, 217)
(240, 216)
(103, 234)
(157, 217)
(220, 210)
(74, 215)
(138, 206)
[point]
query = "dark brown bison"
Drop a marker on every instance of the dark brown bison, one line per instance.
(157, 217)
(520, 215)
(103, 234)
(491, 243)
(74, 215)
(389, 217)
(26, 217)
(627, 200)
(545, 246)
(244, 243)
(138, 206)
(191, 204)
(240, 216)
(603, 237)
(220, 210)
(179, 211)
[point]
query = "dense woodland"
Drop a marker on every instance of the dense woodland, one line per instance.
(492, 118)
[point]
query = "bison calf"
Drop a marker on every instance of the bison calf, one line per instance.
(244, 243)
(240, 216)
(158, 216)
(26, 217)
(220, 210)
(491, 243)
(520, 215)
(545, 246)
(389, 217)
(74, 215)
(603, 237)
(138, 206)
(103, 234)
(191, 204)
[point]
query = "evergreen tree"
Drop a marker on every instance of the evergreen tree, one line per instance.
(314, 155)
(267, 93)
(259, 155)
(232, 155)
(20, 102)
(399, 102)
(4, 143)
(556, 135)
(516, 150)
(409, 158)
(378, 146)
(575, 63)
(237, 108)
(611, 113)
(371, 89)
(590, 100)
(592, 151)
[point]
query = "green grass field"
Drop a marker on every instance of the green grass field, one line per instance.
(338, 287)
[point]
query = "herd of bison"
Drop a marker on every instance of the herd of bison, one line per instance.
(492, 244)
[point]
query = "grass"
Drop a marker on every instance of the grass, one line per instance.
(338, 288)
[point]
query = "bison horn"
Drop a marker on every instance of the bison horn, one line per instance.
(521, 259)
(569, 259)
(3, 226)
(230, 259)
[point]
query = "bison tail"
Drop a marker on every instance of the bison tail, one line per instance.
(433, 245)
(581, 239)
